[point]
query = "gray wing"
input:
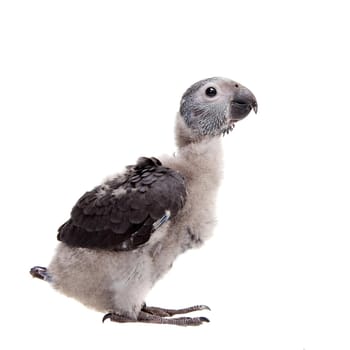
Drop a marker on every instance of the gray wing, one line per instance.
(122, 213)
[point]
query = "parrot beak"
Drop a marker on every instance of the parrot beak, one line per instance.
(242, 103)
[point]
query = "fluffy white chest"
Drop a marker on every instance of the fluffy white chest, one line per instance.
(120, 281)
(201, 165)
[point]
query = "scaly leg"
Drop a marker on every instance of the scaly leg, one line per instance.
(151, 314)
(158, 311)
(145, 317)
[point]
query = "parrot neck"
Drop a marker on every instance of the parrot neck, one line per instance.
(184, 135)
(203, 159)
(201, 154)
(198, 160)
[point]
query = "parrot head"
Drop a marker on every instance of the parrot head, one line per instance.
(211, 107)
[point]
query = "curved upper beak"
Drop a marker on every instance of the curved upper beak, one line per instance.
(242, 103)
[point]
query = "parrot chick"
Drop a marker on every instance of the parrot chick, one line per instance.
(125, 234)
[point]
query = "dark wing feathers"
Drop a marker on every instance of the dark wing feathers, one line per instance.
(137, 216)
(119, 214)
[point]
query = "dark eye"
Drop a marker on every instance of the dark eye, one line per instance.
(211, 91)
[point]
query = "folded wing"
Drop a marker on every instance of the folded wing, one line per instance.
(122, 213)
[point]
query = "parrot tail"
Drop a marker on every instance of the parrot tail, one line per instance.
(41, 273)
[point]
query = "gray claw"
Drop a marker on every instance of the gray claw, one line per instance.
(107, 316)
(204, 307)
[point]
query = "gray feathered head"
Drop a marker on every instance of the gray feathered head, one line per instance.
(213, 106)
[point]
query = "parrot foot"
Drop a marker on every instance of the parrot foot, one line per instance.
(145, 317)
(157, 311)
(40, 272)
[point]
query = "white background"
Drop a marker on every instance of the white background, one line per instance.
(88, 86)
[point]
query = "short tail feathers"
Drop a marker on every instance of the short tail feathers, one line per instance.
(41, 273)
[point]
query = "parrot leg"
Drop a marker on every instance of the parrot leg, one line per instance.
(157, 311)
(145, 317)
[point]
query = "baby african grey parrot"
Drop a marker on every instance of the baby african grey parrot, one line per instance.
(125, 234)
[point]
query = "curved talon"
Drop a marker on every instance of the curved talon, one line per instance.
(204, 319)
(203, 307)
(106, 316)
(114, 317)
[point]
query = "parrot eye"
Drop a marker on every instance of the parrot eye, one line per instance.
(210, 91)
